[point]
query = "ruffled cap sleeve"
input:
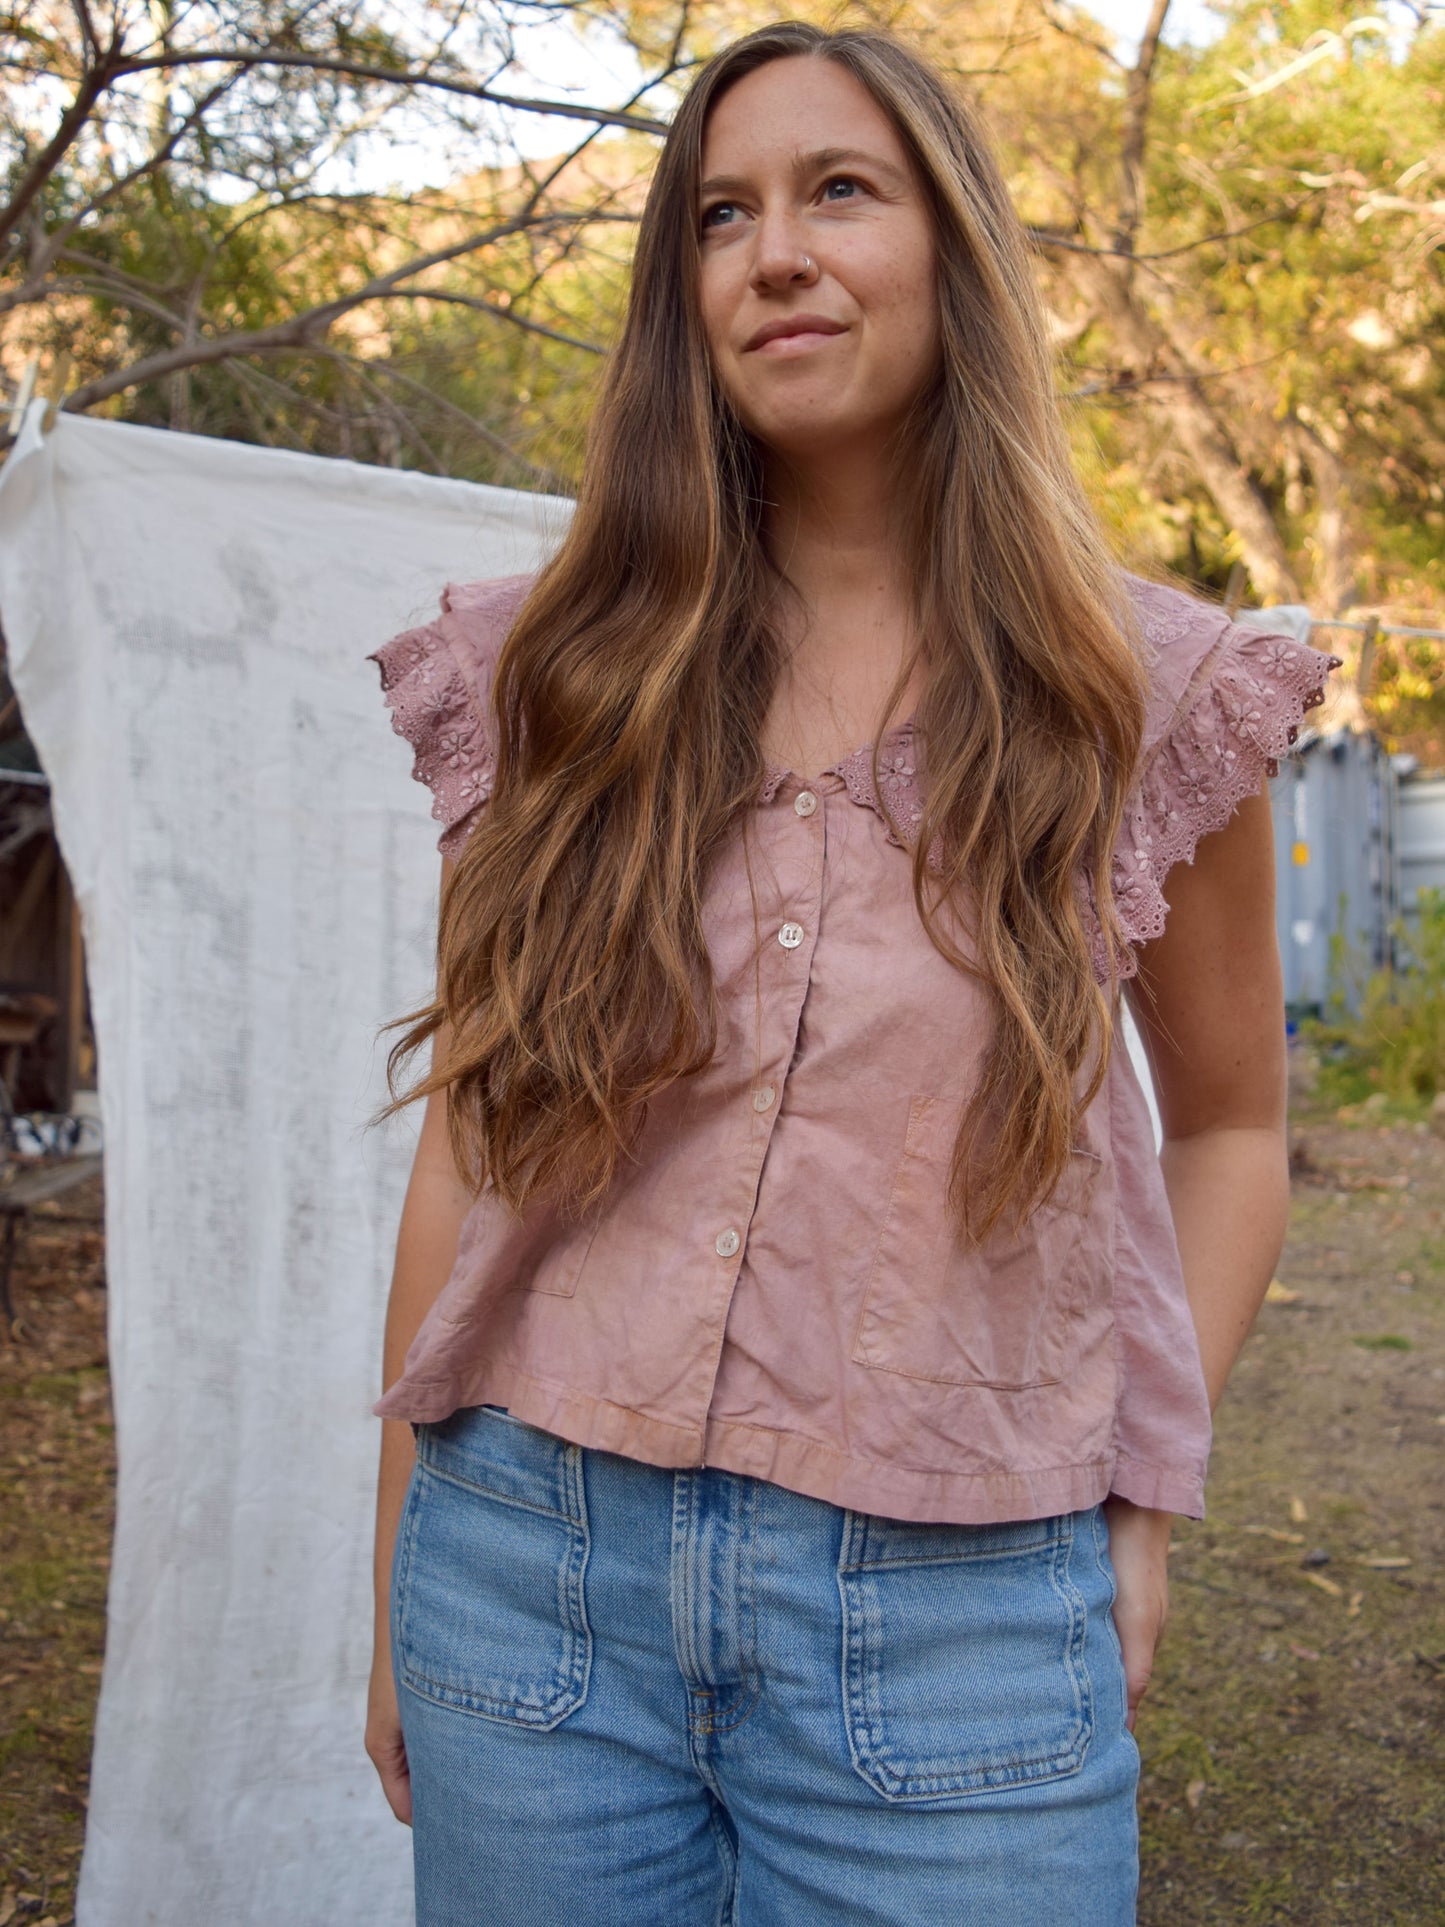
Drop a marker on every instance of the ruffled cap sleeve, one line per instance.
(1227, 701)
(437, 682)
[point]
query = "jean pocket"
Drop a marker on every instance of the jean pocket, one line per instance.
(488, 1604)
(963, 1664)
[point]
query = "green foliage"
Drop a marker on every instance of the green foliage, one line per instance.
(1307, 291)
(1393, 1052)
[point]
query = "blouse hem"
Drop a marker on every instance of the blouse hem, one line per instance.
(803, 1465)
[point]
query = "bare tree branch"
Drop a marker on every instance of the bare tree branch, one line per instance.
(1198, 425)
(1047, 238)
(391, 76)
(55, 243)
(1136, 129)
(72, 125)
(307, 330)
(1070, 29)
(1159, 378)
(544, 477)
(87, 26)
(483, 306)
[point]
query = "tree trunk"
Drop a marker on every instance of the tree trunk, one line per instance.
(1334, 577)
(1198, 428)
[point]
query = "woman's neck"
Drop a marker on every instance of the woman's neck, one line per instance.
(829, 530)
(850, 630)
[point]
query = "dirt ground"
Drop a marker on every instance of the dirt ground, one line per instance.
(1294, 1735)
(57, 1480)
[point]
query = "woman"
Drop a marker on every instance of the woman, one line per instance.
(800, 1375)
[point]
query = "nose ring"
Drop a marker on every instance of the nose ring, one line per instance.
(807, 265)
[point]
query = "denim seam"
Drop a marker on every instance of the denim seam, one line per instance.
(727, 1912)
(902, 1562)
(426, 1456)
(1106, 1566)
(401, 1567)
(1047, 1534)
(741, 1707)
(1065, 1586)
(703, 1725)
(687, 1659)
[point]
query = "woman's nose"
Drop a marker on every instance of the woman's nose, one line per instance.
(780, 252)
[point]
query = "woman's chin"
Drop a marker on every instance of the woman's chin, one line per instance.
(814, 437)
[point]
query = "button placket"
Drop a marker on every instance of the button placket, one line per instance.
(796, 863)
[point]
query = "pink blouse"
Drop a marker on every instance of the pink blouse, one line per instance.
(773, 1288)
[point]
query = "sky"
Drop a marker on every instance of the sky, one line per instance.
(557, 53)
(560, 63)
(1187, 20)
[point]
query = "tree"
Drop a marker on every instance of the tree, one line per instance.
(182, 227)
(1240, 246)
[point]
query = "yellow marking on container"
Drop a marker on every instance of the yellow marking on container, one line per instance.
(1300, 854)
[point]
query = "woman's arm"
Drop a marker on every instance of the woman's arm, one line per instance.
(426, 1247)
(1209, 1002)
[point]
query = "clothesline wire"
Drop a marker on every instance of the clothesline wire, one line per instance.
(1378, 628)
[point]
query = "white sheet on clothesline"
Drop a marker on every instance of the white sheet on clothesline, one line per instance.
(187, 622)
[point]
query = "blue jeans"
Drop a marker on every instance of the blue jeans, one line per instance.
(641, 1698)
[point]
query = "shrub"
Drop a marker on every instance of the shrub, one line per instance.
(1396, 1045)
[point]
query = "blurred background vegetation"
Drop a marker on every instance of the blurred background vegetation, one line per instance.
(1378, 1045)
(400, 232)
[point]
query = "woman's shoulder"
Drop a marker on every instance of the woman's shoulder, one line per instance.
(1227, 699)
(1178, 630)
(1206, 671)
(476, 616)
(470, 626)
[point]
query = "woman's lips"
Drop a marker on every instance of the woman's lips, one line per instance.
(784, 346)
(800, 328)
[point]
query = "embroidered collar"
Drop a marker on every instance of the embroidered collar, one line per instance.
(899, 756)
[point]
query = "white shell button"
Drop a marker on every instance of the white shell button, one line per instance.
(763, 1097)
(727, 1243)
(805, 802)
(791, 935)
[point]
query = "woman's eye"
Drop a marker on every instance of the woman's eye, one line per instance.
(718, 207)
(841, 180)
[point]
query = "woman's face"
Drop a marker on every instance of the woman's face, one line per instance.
(800, 165)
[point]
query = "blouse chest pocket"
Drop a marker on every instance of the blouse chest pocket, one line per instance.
(1004, 1314)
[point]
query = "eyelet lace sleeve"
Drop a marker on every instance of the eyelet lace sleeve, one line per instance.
(1239, 718)
(436, 680)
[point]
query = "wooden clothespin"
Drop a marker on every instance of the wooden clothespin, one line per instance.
(22, 396)
(55, 391)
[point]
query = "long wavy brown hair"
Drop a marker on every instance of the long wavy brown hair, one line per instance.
(573, 975)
